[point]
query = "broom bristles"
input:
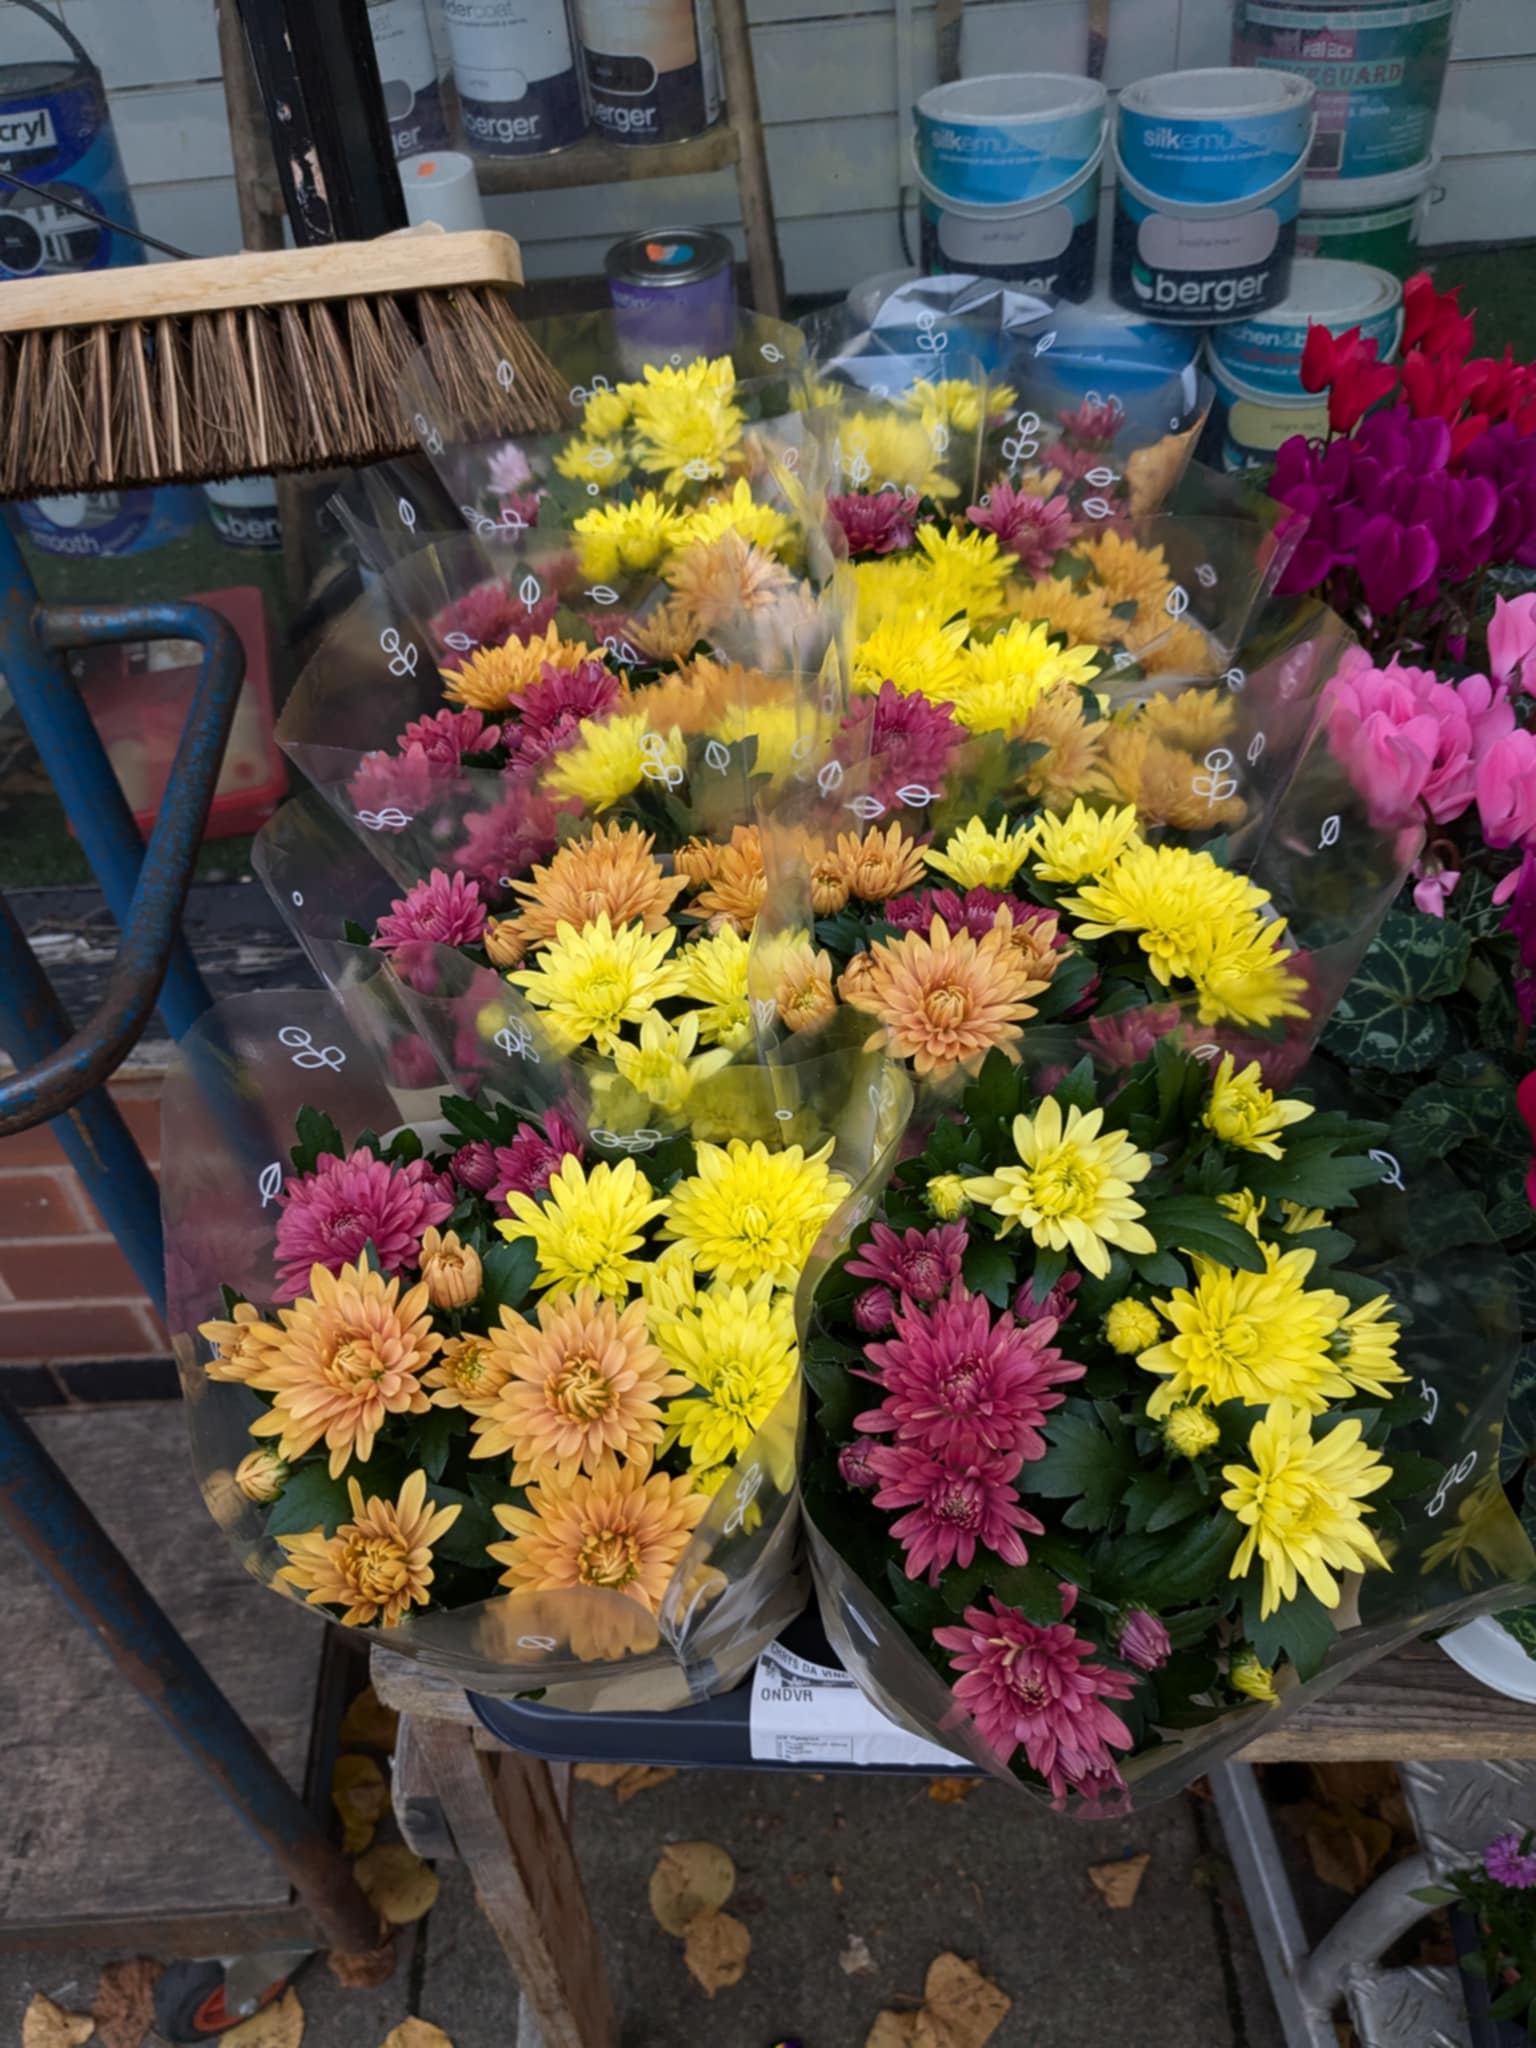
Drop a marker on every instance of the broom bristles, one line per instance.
(259, 390)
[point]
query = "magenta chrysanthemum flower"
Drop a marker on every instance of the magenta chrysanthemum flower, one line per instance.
(1096, 420)
(875, 1310)
(876, 524)
(1057, 1305)
(1034, 529)
(519, 508)
(560, 693)
(974, 912)
(405, 782)
(954, 1503)
(444, 910)
(329, 1215)
(1507, 1863)
(1126, 1038)
(1144, 1640)
(524, 1167)
(517, 831)
(853, 1466)
(448, 735)
(956, 1381)
(923, 1264)
(484, 616)
(412, 1062)
(473, 1166)
(906, 741)
(1033, 1688)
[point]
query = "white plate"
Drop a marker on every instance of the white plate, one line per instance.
(1487, 1650)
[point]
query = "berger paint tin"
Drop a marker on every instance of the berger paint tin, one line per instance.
(519, 84)
(672, 289)
(1008, 138)
(1214, 137)
(1368, 220)
(413, 91)
(1378, 70)
(1249, 424)
(1046, 244)
(1197, 266)
(55, 131)
(1265, 351)
(653, 67)
(243, 513)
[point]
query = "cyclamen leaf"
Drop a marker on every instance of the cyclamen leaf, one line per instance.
(1388, 1017)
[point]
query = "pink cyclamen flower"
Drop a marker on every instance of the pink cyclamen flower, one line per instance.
(953, 1504)
(1431, 893)
(1034, 529)
(328, 1216)
(1035, 1689)
(444, 910)
(1403, 739)
(473, 1166)
(1512, 641)
(922, 1264)
(955, 1380)
(1144, 1640)
(448, 735)
(853, 1466)
(524, 1167)
(876, 523)
(1506, 790)
(1507, 1863)
(874, 1310)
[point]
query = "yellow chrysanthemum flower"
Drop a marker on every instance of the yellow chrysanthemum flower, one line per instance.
(1166, 785)
(1244, 1207)
(975, 858)
(714, 975)
(874, 449)
(1167, 897)
(1238, 967)
(619, 540)
(969, 571)
(1295, 1220)
(586, 460)
(889, 587)
(1083, 844)
(377, 1566)
(1073, 1190)
(1254, 1337)
(1189, 1431)
(1365, 1345)
(669, 1283)
(492, 677)
(761, 526)
(948, 1196)
(1130, 1326)
(685, 421)
(747, 1213)
(737, 1345)
(664, 1067)
(1300, 1501)
(612, 757)
(1195, 720)
(1252, 1678)
(1244, 1113)
(958, 402)
(588, 1226)
(916, 653)
(593, 981)
(605, 414)
(1126, 572)
(1005, 677)
(1080, 616)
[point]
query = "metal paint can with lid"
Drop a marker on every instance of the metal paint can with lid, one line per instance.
(514, 62)
(653, 67)
(673, 289)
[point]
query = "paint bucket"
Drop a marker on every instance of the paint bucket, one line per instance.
(243, 512)
(56, 131)
(1368, 220)
(514, 62)
(1197, 266)
(674, 288)
(1248, 423)
(1378, 71)
(90, 525)
(413, 91)
(653, 67)
(1265, 351)
(1099, 345)
(1209, 138)
(1043, 244)
(1012, 137)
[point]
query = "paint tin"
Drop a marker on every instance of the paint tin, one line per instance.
(90, 525)
(413, 91)
(1196, 266)
(243, 513)
(653, 67)
(1378, 67)
(1208, 138)
(1046, 244)
(1249, 423)
(56, 131)
(1368, 220)
(1005, 139)
(1265, 351)
(514, 62)
(672, 289)
(1099, 345)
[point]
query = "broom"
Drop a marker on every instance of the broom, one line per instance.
(260, 363)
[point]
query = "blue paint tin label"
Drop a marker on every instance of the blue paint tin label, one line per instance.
(519, 85)
(1195, 266)
(55, 131)
(1209, 138)
(1045, 245)
(1264, 351)
(1000, 140)
(92, 524)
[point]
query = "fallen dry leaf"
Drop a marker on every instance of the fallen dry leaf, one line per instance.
(1345, 1847)
(1118, 1883)
(415, 2034)
(46, 2025)
(360, 1795)
(951, 1791)
(374, 1966)
(624, 1780)
(961, 2007)
(370, 1722)
(690, 1879)
(716, 1951)
(855, 1959)
(124, 2005)
(396, 1882)
(891, 2030)
(836, 1883)
(275, 2026)
(601, 1774)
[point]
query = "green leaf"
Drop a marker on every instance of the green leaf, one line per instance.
(1389, 1017)
(1434, 1895)
(1510, 1214)
(1160, 1269)
(434, 1438)
(312, 1499)
(1164, 1572)
(1196, 1223)
(1451, 1216)
(1159, 1500)
(915, 1604)
(1030, 1588)
(475, 1528)
(1088, 1463)
(835, 1389)
(316, 1135)
(229, 1297)
(988, 1269)
(1078, 1089)
(356, 934)
(994, 1095)
(1301, 1629)
(509, 1269)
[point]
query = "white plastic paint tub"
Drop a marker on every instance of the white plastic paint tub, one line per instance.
(1368, 220)
(1044, 244)
(1265, 350)
(1214, 137)
(1252, 423)
(1007, 138)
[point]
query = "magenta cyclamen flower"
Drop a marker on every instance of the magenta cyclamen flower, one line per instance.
(524, 1167)
(1144, 1640)
(1035, 1689)
(923, 1264)
(1507, 1863)
(329, 1215)
(444, 910)
(955, 1380)
(1034, 529)
(954, 1503)
(875, 524)
(448, 735)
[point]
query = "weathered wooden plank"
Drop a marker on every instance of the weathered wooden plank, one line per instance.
(1415, 1705)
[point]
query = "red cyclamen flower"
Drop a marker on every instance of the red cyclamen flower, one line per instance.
(923, 1264)
(954, 1503)
(1345, 366)
(328, 1216)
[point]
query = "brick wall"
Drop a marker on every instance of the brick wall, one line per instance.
(74, 1321)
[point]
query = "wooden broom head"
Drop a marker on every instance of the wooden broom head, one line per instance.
(261, 363)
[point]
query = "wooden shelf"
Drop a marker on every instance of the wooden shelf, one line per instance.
(596, 161)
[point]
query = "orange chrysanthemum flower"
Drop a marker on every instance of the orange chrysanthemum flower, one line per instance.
(351, 1354)
(738, 881)
(492, 677)
(611, 870)
(582, 1384)
(505, 941)
(1125, 571)
(1033, 941)
(856, 977)
(469, 1374)
(669, 633)
(1167, 786)
(1080, 617)
(829, 886)
(1069, 767)
(877, 864)
(240, 1346)
(617, 1529)
(377, 1566)
(718, 580)
(697, 861)
(1182, 651)
(804, 994)
(946, 1000)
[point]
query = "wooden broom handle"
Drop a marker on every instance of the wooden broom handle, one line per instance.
(262, 277)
